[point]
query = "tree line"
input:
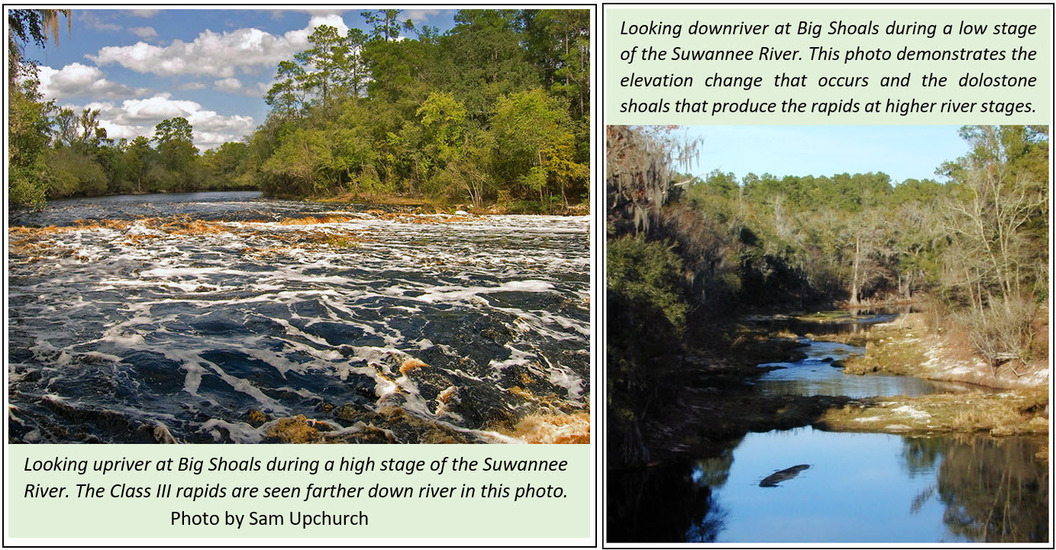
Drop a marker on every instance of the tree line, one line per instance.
(55, 152)
(495, 110)
(684, 253)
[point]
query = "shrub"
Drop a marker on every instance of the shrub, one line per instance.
(1002, 332)
(646, 320)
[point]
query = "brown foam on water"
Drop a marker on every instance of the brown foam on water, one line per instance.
(554, 428)
(411, 364)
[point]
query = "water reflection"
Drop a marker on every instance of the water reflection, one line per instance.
(854, 321)
(859, 488)
(994, 491)
(664, 504)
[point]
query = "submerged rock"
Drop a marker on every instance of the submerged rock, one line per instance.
(782, 475)
(257, 418)
(392, 424)
(298, 429)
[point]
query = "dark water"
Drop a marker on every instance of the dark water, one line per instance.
(212, 317)
(854, 488)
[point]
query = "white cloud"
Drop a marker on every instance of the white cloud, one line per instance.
(190, 86)
(420, 16)
(230, 85)
(332, 19)
(260, 89)
(216, 54)
(138, 117)
(77, 80)
(146, 33)
(144, 13)
(92, 20)
(158, 108)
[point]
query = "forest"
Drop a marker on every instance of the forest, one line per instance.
(689, 256)
(494, 111)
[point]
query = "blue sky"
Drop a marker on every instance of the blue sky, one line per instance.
(902, 152)
(212, 67)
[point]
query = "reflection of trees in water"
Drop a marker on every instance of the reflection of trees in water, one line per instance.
(668, 504)
(921, 454)
(993, 489)
(714, 471)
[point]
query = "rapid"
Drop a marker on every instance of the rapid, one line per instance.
(223, 317)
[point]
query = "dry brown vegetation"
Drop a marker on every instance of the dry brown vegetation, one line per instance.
(1007, 413)
(919, 344)
(925, 346)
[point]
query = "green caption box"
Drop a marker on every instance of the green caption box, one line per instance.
(267, 491)
(825, 65)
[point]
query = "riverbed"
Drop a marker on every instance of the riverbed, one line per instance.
(224, 317)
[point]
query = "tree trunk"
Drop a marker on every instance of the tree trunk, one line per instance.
(855, 275)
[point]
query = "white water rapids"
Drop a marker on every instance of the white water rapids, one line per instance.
(213, 318)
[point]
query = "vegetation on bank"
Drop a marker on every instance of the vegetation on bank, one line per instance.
(1022, 412)
(996, 402)
(494, 111)
(975, 246)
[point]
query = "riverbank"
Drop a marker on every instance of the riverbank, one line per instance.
(437, 206)
(998, 402)
(715, 402)
(908, 346)
(1014, 412)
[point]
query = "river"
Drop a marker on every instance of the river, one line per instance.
(223, 317)
(806, 485)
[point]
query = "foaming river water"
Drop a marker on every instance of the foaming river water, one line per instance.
(222, 317)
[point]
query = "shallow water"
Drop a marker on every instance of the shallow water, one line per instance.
(210, 317)
(817, 375)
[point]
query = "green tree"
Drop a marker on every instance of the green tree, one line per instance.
(385, 24)
(287, 96)
(558, 41)
(79, 131)
(301, 165)
(646, 319)
(28, 114)
(485, 59)
(226, 165)
(534, 134)
(443, 139)
(392, 115)
(177, 153)
(139, 156)
(28, 136)
(325, 67)
(74, 173)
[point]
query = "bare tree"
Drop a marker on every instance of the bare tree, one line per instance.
(990, 257)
